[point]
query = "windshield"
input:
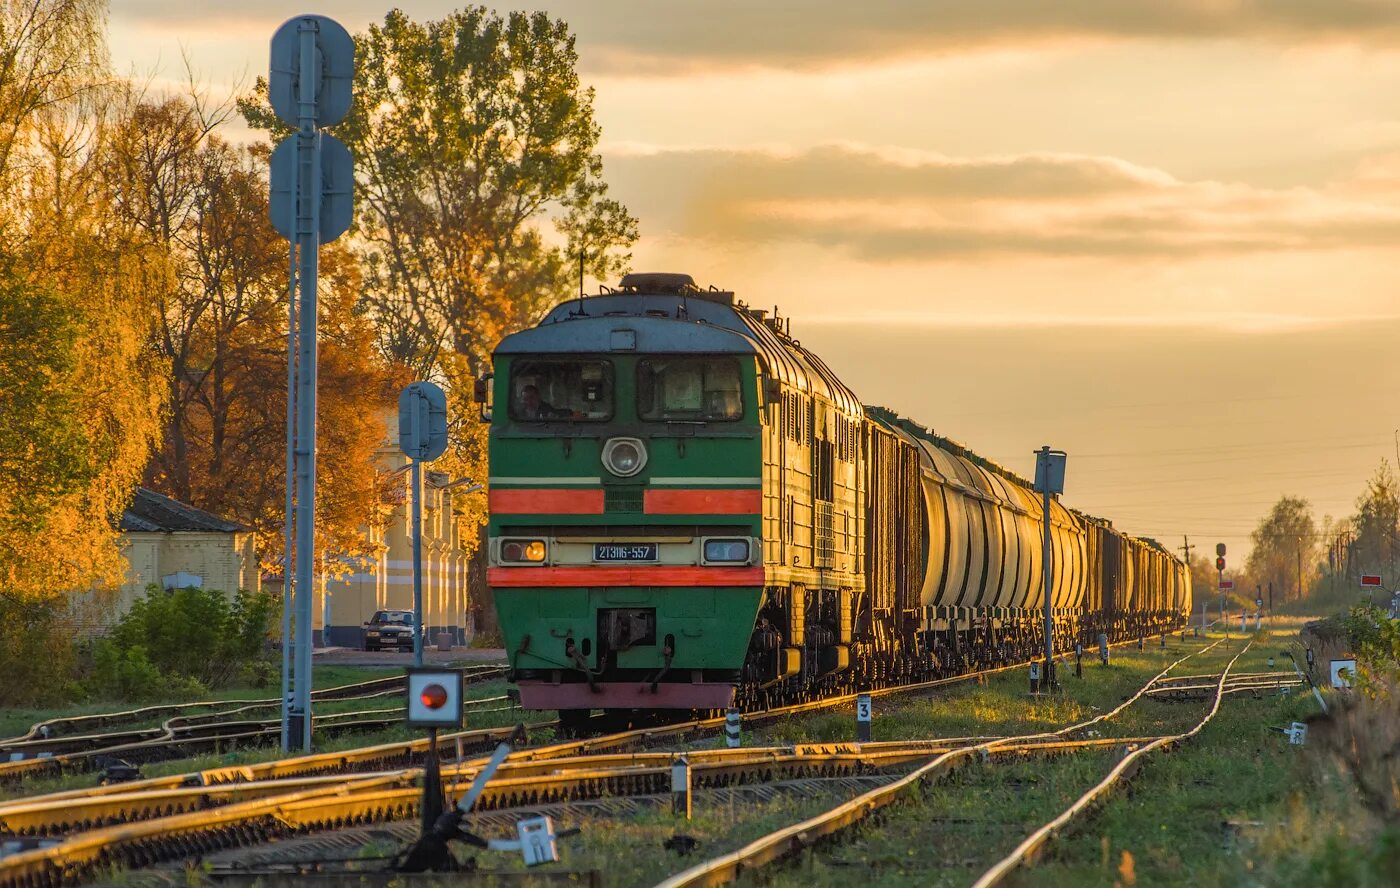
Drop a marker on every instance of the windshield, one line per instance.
(694, 389)
(391, 617)
(561, 390)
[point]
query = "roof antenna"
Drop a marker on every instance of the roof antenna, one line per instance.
(580, 313)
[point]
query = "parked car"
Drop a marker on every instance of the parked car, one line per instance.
(389, 630)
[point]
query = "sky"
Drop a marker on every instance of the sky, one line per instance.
(1161, 236)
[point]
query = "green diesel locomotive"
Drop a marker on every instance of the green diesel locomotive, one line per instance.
(690, 511)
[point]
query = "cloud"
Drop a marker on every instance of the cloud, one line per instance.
(882, 205)
(681, 35)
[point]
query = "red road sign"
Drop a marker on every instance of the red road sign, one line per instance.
(1227, 584)
(1370, 581)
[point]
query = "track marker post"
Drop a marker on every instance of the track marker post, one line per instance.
(680, 787)
(864, 710)
(1103, 649)
(1035, 679)
(1078, 660)
(731, 729)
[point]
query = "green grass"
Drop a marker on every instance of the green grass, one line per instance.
(628, 849)
(17, 720)
(1190, 818)
(331, 743)
(949, 832)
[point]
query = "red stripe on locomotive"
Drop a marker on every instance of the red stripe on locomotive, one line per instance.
(658, 501)
(547, 501)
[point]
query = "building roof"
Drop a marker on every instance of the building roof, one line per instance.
(150, 512)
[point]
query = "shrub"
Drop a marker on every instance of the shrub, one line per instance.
(193, 634)
(37, 657)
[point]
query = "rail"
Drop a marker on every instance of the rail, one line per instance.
(1121, 772)
(778, 844)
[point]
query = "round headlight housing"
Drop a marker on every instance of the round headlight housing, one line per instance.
(523, 551)
(726, 551)
(624, 457)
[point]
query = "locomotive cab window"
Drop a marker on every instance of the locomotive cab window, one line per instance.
(544, 391)
(693, 389)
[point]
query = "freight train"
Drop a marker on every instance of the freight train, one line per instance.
(689, 511)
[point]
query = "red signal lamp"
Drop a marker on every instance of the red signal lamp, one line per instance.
(434, 696)
(1220, 564)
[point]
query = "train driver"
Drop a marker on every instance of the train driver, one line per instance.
(532, 406)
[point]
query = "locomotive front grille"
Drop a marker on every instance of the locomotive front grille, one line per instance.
(622, 499)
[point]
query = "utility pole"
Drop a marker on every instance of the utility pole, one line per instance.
(1186, 548)
(1300, 568)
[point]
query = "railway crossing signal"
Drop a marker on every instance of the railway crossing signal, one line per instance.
(310, 76)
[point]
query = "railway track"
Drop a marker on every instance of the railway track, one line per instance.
(788, 840)
(145, 826)
(1026, 852)
(46, 750)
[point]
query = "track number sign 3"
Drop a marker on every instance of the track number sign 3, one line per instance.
(863, 713)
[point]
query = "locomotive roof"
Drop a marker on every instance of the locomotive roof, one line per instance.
(666, 314)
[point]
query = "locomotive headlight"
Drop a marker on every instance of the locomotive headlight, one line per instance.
(726, 551)
(523, 551)
(624, 457)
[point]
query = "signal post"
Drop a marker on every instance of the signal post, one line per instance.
(310, 177)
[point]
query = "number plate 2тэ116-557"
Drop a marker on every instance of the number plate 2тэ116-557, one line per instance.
(624, 551)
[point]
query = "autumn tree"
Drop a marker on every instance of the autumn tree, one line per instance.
(478, 187)
(79, 412)
(1374, 548)
(222, 325)
(53, 56)
(1284, 548)
(479, 180)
